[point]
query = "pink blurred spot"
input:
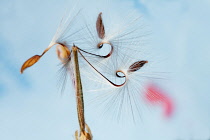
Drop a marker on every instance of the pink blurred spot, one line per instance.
(155, 95)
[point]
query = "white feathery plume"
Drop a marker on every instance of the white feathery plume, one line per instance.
(110, 43)
(113, 53)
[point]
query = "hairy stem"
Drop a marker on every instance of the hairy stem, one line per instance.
(79, 93)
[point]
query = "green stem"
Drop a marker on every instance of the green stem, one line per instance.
(79, 93)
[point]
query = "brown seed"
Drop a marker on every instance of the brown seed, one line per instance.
(31, 61)
(100, 27)
(137, 65)
(63, 53)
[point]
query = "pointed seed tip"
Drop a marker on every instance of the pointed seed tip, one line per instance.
(100, 26)
(28, 63)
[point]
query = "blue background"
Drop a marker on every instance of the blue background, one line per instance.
(32, 108)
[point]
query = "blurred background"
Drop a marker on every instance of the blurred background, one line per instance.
(31, 106)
